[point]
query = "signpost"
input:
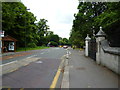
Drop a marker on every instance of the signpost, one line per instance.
(1, 35)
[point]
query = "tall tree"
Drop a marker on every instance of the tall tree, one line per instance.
(91, 16)
(110, 20)
(20, 24)
(42, 31)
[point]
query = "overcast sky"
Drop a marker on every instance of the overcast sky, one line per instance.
(59, 13)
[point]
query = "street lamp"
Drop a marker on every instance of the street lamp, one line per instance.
(25, 28)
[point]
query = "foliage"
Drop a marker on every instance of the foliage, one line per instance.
(54, 38)
(20, 24)
(53, 43)
(91, 16)
(42, 31)
(64, 41)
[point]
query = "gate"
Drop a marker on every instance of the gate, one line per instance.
(92, 49)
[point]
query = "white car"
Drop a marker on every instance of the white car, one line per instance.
(65, 46)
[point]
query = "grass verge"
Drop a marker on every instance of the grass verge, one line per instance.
(28, 48)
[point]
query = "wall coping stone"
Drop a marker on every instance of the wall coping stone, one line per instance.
(100, 33)
(107, 49)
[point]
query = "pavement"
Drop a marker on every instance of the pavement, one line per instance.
(84, 72)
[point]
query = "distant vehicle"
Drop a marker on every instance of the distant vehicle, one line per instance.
(60, 46)
(65, 46)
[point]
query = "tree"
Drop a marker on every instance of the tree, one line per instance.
(54, 38)
(19, 23)
(92, 15)
(64, 41)
(42, 31)
(52, 43)
(110, 20)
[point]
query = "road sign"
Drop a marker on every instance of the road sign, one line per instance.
(2, 33)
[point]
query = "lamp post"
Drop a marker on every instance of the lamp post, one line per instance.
(25, 28)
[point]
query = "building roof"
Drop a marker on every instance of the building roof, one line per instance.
(8, 38)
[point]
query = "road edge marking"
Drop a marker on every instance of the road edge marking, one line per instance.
(54, 82)
(53, 85)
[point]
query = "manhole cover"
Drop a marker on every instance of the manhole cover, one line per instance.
(80, 68)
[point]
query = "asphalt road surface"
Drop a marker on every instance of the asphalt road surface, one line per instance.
(37, 74)
(43, 69)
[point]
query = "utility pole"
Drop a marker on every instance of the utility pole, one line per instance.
(25, 29)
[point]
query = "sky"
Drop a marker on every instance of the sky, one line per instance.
(59, 13)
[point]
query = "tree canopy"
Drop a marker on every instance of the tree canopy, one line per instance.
(19, 23)
(91, 16)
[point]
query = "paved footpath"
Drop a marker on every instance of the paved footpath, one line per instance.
(85, 73)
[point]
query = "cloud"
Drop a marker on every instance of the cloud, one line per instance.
(59, 13)
(62, 29)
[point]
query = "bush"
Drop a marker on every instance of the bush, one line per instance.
(52, 43)
(32, 45)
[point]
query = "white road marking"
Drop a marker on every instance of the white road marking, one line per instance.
(39, 62)
(16, 61)
(42, 53)
(31, 56)
(8, 63)
(69, 52)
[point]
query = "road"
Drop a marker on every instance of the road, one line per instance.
(55, 68)
(38, 73)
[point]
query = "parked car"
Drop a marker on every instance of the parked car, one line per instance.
(65, 46)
